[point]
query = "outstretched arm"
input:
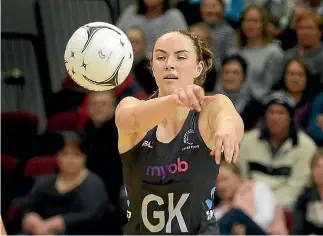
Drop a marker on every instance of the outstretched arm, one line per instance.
(133, 115)
(227, 126)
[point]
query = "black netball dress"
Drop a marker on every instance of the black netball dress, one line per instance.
(170, 186)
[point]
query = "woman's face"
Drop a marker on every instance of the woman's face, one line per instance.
(70, 160)
(295, 77)
(232, 76)
(211, 11)
(317, 171)
(137, 41)
(174, 62)
(227, 183)
(252, 25)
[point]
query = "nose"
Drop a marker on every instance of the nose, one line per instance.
(170, 64)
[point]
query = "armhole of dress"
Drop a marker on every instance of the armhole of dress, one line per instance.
(196, 128)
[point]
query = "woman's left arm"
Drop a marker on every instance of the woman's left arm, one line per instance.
(227, 127)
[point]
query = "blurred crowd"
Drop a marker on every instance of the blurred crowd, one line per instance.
(268, 61)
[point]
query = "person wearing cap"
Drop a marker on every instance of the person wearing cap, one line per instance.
(278, 153)
(73, 201)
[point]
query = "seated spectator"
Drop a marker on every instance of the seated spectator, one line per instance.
(308, 211)
(69, 202)
(315, 128)
(233, 84)
(264, 57)
(309, 46)
(100, 142)
(287, 38)
(223, 35)
(299, 83)
(278, 153)
(154, 17)
(203, 31)
(242, 203)
(141, 64)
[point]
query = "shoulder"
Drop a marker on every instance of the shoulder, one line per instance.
(274, 49)
(127, 102)
(291, 52)
(45, 179)
(250, 136)
(174, 12)
(94, 179)
(305, 141)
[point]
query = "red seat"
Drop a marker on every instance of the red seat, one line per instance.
(41, 165)
(11, 212)
(289, 218)
(65, 121)
(8, 164)
(20, 121)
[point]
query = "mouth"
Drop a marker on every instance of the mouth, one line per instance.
(171, 77)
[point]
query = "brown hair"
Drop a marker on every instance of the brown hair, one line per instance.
(234, 167)
(242, 39)
(204, 54)
(309, 15)
(206, 28)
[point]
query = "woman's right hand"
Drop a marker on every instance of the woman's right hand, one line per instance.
(191, 96)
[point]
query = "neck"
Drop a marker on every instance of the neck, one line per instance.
(175, 122)
(277, 140)
(72, 176)
(310, 49)
(256, 42)
(153, 12)
(297, 96)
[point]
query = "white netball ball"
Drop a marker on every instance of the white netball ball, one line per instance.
(98, 56)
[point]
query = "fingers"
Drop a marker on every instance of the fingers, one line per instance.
(228, 146)
(228, 150)
(236, 153)
(208, 99)
(216, 152)
(192, 99)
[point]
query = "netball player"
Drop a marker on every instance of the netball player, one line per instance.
(171, 145)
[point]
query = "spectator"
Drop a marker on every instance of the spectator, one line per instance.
(309, 47)
(308, 211)
(70, 202)
(203, 31)
(141, 65)
(155, 17)
(264, 58)
(316, 120)
(287, 39)
(233, 84)
(298, 82)
(101, 143)
(223, 36)
(278, 153)
(242, 203)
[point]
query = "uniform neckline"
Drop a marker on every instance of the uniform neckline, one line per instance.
(185, 125)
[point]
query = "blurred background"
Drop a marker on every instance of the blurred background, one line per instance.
(269, 62)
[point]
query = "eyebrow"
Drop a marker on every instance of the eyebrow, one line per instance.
(177, 52)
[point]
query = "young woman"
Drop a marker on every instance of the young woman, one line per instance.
(167, 142)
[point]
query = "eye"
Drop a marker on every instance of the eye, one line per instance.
(160, 58)
(181, 57)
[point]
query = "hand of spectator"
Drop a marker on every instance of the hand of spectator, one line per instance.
(238, 229)
(319, 121)
(31, 222)
(55, 224)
